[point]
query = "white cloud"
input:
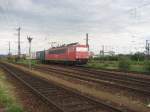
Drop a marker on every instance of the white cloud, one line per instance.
(110, 22)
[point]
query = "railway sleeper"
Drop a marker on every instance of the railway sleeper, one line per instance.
(83, 109)
(76, 105)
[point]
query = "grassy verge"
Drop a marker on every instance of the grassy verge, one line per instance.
(138, 67)
(112, 65)
(135, 66)
(7, 97)
(26, 62)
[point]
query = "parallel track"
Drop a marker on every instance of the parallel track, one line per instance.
(123, 82)
(112, 74)
(62, 99)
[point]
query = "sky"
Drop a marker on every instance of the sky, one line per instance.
(122, 26)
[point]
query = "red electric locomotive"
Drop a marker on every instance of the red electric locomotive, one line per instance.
(72, 53)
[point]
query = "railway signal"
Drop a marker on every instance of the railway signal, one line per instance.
(9, 49)
(29, 40)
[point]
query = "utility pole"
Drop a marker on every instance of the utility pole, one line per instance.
(102, 51)
(9, 48)
(9, 54)
(147, 48)
(87, 40)
(29, 39)
(19, 49)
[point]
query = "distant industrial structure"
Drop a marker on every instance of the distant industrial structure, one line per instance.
(103, 52)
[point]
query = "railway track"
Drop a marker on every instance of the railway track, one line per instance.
(107, 73)
(61, 98)
(111, 73)
(137, 85)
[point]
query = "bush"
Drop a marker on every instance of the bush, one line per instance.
(106, 58)
(138, 56)
(124, 64)
(147, 66)
(14, 108)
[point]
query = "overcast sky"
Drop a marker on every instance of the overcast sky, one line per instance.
(119, 25)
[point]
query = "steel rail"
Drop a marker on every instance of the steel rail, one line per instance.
(10, 69)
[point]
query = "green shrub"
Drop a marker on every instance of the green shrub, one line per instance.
(124, 64)
(105, 65)
(14, 108)
(147, 66)
(106, 58)
(138, 56)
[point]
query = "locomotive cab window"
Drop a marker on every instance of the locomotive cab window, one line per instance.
(82, 49)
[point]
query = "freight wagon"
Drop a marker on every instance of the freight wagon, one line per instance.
(71, 54)
(40, 55)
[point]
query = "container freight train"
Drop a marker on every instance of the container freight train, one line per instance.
(67, 54)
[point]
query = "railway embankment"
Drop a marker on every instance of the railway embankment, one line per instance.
(61, 98)
(8, 99)
(87, 88)
(16, 97)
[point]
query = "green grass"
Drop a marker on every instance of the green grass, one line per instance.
(26, 62)
(103, 65)
(113, 65)
(137, 68)
(7, 99)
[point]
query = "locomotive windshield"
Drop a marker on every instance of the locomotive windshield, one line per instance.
(82, 49)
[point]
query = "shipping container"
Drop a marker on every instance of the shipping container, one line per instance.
(40, 55)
